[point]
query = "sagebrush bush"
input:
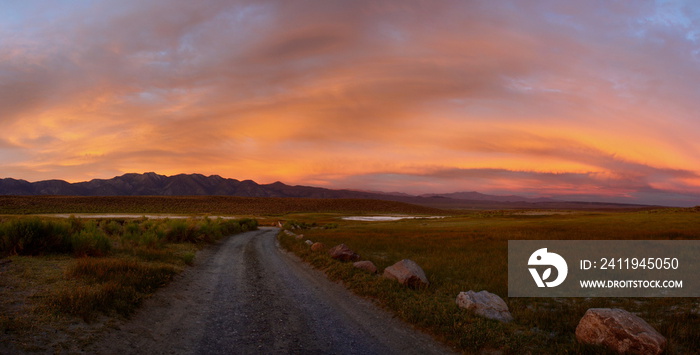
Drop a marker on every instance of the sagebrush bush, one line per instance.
(112, 227)
(86, 243)
(209, 231)
(76, 224)
(34, 236)
(247, 224)
(180, 231)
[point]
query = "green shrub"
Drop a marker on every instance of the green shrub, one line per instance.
(76, 224)
(132, 227)
(91, 241)
(209, 231)
(292, 224)
(152, 238)
(112, 227)
(188, 258)
(330, 226)
(248, 224)
(33, 236)
(230, 226)
(180, 231)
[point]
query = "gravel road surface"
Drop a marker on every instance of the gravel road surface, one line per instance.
(247, 296)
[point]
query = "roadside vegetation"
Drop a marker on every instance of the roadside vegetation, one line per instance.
(469, 252)
(54, 269)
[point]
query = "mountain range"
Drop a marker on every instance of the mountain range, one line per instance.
(152, 184)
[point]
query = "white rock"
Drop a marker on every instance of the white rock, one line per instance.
(485, 304)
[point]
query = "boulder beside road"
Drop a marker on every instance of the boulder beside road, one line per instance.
(485, 304)
(366, 265)
(318, 246)
(620, 331)
(408, 273)
(343, 253)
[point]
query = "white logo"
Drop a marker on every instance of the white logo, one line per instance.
(542, 257)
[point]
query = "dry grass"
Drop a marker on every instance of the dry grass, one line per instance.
(103, 285)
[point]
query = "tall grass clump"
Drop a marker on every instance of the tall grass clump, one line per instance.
(34, 236)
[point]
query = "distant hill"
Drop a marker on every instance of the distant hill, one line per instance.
(476, 196)
(152, 184)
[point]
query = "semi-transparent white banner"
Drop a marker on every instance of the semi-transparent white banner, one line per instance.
(603, 268)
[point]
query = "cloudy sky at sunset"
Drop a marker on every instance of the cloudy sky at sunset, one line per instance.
(586, 100)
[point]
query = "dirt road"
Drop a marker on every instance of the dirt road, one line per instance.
(247, 296)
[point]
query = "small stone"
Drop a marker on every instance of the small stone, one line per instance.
(366, 265)
(620, 331)
(309, 242)
(485, 304)
(343, 253)
(408, 273)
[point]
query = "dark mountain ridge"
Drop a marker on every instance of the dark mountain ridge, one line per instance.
(152, 184)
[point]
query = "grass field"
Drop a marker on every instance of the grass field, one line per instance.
(200, 205)
(470, 253)
(66, 277)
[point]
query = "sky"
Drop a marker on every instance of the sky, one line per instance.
(582, 100)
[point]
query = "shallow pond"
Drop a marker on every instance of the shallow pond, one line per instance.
(384, 218)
